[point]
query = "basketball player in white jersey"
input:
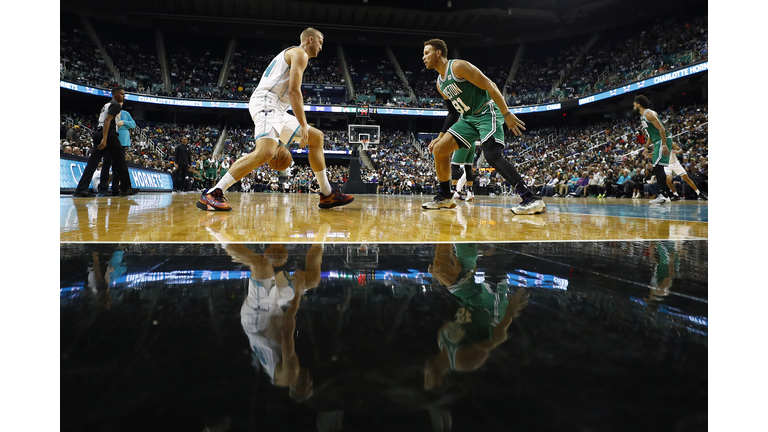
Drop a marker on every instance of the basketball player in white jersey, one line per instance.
(268, 314)
(278, 90)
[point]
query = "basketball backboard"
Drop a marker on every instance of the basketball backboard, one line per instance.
(357, 133)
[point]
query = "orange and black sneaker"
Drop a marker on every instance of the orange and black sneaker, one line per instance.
(335, 199)
(213, 201)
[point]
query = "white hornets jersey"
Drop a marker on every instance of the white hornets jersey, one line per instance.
(262, 319)
(272, 91)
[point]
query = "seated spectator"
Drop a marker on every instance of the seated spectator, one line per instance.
(593, 189)
(581, 186)
(620, 191)
(549, 189)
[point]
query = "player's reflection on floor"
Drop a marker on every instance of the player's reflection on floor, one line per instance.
(480, 324)
(268, 314)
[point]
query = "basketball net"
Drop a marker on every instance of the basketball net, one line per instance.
(364, 144)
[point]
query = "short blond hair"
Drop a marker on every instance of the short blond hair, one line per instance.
(309, 32)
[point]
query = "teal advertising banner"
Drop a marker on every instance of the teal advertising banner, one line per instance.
(71, 169)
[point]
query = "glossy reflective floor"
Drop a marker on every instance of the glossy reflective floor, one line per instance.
(373, 218)
(549, 336)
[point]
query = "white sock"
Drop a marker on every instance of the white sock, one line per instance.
(462, 181)
(697, 192)
(224, 183)
(322, 180)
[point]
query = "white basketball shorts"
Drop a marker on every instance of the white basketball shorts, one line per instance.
(276, 125)
(675, 169)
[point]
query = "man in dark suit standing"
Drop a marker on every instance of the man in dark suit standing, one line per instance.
(181, 156)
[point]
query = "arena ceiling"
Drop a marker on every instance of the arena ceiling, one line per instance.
(475, 22)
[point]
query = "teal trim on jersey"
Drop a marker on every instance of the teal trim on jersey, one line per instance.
(278, 80)
(270, 67)
(290, 140)
(281, 76)
(288, 278)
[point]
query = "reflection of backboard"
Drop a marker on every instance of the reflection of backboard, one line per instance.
(358, 133)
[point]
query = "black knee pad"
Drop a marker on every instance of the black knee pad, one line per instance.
(455, 172)
(494, 157)
(492, 151)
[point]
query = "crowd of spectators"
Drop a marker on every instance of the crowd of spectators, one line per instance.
(297, 179)
(139, 68)
(604, 159)
(373, 74)
(615, 61)
(620, 56)
(195, 67)
(325, 69)
(606, 155)
(81, 61)
(134, 53)
(531, 84)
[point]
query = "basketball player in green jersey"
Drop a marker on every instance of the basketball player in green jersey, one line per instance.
(477, 112)
(667, 267)
(662, 150)
(480, 324)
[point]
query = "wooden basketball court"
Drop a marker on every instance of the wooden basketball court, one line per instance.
(295, 218)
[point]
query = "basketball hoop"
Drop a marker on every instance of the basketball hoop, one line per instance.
(364, 144)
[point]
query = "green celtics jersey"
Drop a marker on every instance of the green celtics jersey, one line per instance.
(486, 307)
(655, 137)
(650, 129)
(465, 96)
(668, 258)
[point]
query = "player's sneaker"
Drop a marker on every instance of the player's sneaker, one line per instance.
(130, 191)
(213, 201)
(82, 193)
(439, 203)
(532, 204)
(459, 195)
(661, 199)
(674, 198)
(703, 196)
(470, 196)
(334, 200)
